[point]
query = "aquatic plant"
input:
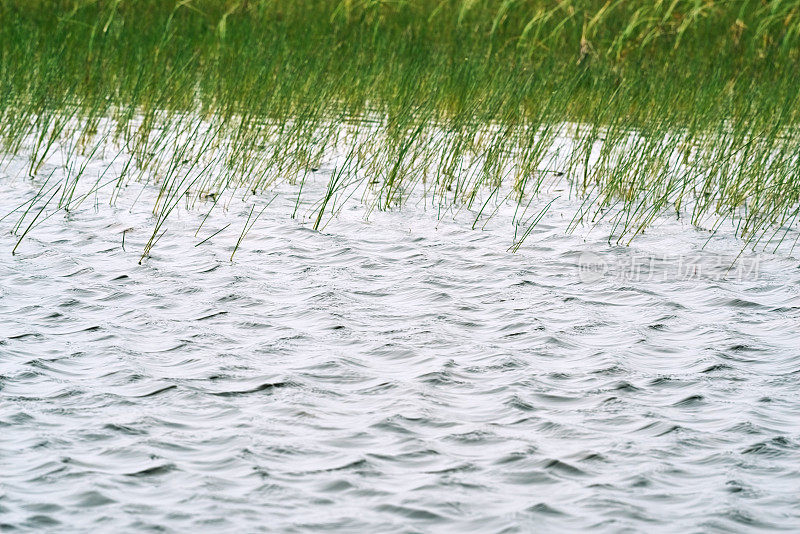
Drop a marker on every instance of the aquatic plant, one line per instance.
(644, 107)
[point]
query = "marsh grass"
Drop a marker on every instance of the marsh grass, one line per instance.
(687, 107)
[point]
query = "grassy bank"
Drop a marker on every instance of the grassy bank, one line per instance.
(689, 106)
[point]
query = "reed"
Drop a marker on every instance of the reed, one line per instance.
(645, 107)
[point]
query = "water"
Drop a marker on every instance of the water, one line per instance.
(400, 374)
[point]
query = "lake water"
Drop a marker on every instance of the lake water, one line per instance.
(401, 374)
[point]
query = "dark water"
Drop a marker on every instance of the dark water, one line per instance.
(401, 374)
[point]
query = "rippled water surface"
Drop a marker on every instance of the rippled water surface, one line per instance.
(403, 373)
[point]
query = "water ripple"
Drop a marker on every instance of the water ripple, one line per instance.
(405, 374)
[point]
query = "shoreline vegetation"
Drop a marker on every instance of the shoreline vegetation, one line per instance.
(688, 107)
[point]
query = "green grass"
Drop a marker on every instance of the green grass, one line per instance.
(682, 106)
